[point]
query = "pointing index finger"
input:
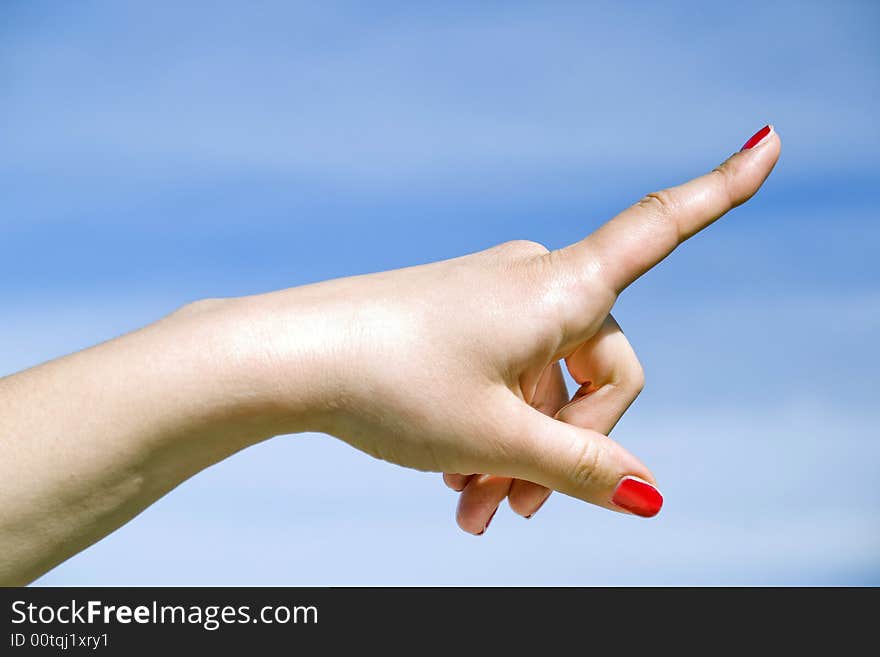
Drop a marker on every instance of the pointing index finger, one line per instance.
(641, 236)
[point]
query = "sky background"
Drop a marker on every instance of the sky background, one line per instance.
(155, 153)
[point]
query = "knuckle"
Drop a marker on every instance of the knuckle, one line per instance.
(629, 382)
(661, 202)
(637, 379)
(663, 209)
(586, 464)
(633, 374)
(724, 174)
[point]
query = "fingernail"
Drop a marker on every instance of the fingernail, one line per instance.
(638, 496)
(538, 508)
(756, 138)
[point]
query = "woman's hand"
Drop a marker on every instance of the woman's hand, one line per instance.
(454, 366)
(451, 367)
(610, 378)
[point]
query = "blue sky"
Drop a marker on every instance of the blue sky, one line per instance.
(154, 154)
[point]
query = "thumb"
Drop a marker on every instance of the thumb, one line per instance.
(582, 463)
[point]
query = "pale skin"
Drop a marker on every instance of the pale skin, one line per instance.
(452, 367)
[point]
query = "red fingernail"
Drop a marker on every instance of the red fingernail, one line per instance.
(756, 138)
(638, 497)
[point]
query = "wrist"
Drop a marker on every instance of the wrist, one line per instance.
(266, 361)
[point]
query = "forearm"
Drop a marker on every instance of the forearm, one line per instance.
(90, 440)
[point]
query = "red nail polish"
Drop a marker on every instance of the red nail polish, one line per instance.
(756, 138)
(638, 497)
